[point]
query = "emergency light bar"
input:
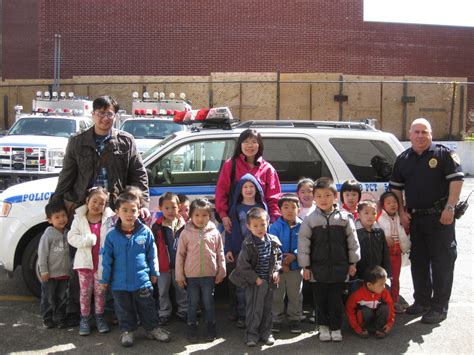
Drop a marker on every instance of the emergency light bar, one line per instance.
(217, 117)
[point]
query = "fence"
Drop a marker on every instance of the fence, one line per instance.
(449, 105)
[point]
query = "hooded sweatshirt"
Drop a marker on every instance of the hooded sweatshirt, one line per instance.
(200, 253)
(237, 213)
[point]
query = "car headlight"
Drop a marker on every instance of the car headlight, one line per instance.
(55, 158)
(6, 207)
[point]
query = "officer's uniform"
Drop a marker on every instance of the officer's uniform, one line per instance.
(425, 179)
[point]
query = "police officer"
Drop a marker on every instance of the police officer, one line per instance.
(432, 178)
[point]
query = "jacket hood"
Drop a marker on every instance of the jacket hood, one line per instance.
(237, 198)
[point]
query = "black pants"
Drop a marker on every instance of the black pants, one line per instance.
(432, 256)
(373, 319)
(328, 300)
(53, 300)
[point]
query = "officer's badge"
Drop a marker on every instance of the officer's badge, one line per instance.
(456, 158)
(433, 163)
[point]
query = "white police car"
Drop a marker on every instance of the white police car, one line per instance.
(188, 162)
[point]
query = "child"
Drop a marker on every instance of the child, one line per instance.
(130, 265)
(373, 247)
(351, 193)
(371, 305)
(397, 240)
(258, 271)
(184, 206)
(200, 265)
(248, 194)
(304, 190)
(54, 266)
(328, 251)
(166, 231)
(91, 223)
(286, 228)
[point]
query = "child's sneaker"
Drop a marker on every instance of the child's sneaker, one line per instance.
(295, 327)
(324, 334)
(312, 318)
(276, 327)
(270, 340)
(159, 334)
(101, 324)
(182, 316)
(48, 324)
(251, 343)
(211, 331)
(240, 323)
(163, 321)
(192, 333)
(398, 308)
(126, 339)
(336, 335)
(84, 327)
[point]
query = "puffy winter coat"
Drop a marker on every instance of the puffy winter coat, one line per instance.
(328, 244)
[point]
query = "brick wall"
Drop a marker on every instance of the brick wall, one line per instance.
(20, 39)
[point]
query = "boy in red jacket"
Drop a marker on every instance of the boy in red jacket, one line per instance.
(371, 306)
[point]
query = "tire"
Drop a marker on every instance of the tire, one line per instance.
(29, 266)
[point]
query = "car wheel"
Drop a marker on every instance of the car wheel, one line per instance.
(29, 266)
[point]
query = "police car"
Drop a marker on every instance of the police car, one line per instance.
(34, 146)
(189, 162)
(152, 118)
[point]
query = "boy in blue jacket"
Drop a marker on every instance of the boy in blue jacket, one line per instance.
(130, 265)
(286, 228)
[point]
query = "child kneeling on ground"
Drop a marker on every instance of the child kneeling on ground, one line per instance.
(371, 306)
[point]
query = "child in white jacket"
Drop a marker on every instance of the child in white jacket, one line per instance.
(397, 241)
(91, 223)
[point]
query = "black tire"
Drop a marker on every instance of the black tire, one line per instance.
(29, 265)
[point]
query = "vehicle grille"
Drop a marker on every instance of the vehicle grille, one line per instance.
(23, 159)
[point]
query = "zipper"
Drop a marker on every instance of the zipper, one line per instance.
(201, 253)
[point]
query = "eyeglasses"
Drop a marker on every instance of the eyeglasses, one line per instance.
(105, 114)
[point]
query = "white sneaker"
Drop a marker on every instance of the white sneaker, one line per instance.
(324, 334)
(336, 335)
(159, 334)
(126, 339)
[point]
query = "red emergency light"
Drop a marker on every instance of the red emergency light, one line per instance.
(155, 112)
(7, 149)
(28, 150)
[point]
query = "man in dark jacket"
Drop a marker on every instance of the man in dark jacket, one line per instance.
(101, 156)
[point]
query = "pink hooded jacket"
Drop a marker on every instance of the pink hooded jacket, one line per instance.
(263, 172)
(200, 253)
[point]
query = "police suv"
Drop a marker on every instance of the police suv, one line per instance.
(34, 146)
(152, 118)
(189, 162)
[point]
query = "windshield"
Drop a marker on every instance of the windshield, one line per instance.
(151, 129)
(152, 151)
(43, 126)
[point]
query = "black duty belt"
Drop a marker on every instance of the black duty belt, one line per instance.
(424, 211)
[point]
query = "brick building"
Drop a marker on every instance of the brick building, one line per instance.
(156, 37)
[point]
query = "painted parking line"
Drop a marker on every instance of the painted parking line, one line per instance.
(17, 298)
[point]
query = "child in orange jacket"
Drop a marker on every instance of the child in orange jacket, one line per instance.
(371, 306)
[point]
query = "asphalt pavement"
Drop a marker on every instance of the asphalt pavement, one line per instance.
(21, 330)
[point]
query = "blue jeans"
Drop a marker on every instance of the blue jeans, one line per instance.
(205, 287)
(129, 303)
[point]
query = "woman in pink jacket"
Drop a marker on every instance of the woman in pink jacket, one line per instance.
(247, 158)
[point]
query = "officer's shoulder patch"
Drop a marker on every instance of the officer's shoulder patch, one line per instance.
(456, 158)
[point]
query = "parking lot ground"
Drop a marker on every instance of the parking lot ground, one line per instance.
(21, 330)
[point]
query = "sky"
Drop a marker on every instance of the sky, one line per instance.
(433, 12)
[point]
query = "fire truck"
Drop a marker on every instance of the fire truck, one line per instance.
(34, 146)
(152, 117)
